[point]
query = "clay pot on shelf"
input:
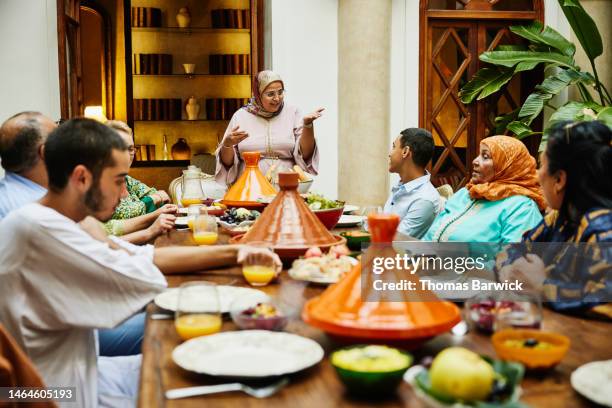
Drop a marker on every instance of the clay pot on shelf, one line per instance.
(183, 18)
(181, 150)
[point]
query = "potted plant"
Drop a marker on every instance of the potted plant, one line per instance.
(549, 48)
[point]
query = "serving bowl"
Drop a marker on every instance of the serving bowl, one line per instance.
(330, 216)
(362, 369)
(533, 348)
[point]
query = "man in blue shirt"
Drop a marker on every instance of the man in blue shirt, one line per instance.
(22, 138)
(414, 198)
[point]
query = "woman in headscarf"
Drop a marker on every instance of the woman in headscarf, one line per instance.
(502, 200)
(268, 125)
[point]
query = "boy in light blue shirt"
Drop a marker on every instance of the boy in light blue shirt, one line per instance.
(414, 198)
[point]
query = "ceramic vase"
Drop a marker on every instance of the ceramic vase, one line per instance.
(181, 150)
(183, 18)
(192, 108)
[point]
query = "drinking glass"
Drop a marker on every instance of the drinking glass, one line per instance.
(365, 211)
(519, 311)
(198, 311)
(194, 211)
(258, 270)
(205, 230)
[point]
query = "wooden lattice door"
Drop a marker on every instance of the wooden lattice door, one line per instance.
(453, 35)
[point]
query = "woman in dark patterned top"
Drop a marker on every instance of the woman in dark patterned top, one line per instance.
(576, 177)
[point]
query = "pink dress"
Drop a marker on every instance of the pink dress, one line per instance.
(278, 140)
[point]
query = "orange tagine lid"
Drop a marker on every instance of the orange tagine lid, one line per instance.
(288, 224)
(354, 310)
(251, 186)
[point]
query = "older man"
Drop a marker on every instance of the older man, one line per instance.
(22, 137)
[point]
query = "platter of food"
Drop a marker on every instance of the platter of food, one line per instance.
(227, 295)
(320, 268)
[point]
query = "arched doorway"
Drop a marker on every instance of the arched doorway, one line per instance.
(453, 34)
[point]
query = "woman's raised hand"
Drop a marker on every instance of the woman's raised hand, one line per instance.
(311, 117)
(234, 137)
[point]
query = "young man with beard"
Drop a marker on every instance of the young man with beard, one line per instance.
(62, 277)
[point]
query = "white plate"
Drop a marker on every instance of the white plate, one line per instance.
(181, 221)
(350, 208)
(248, 353)
(593, 380)
(321, 280)
(349, 221)
(232, 226)
(227, 294)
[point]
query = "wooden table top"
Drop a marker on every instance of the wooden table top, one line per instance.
(319, 386)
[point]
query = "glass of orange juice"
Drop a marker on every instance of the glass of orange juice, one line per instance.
(198, 311)
(193, 211)
(205, 229)
(258, 270)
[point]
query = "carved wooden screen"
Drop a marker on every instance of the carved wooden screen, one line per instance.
(453, 34)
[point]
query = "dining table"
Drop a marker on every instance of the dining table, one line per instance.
(319, 385)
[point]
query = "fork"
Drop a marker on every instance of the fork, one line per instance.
(262, 392)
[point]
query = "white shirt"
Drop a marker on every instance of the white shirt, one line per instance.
(59, 284)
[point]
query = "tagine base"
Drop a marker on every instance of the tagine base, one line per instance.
(292, 253)
(404, 338)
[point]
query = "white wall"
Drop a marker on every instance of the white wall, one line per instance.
(29, 66)
(29, 70)
(304, 51)
(404, 69)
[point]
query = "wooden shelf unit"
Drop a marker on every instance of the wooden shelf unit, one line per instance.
(189, 45)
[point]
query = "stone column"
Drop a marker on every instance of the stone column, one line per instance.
(364, 38)
(601, 12)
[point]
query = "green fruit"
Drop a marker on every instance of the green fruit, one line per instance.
(461, 374)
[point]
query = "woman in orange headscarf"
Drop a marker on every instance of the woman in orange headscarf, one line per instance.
(502, 200)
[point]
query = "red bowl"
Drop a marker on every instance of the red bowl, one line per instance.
(330, 216)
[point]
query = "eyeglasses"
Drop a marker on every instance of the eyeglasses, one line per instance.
(280, 93)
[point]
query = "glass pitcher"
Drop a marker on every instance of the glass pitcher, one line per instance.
(191, 187)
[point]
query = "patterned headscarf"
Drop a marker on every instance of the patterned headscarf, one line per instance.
(515, 172)
(260, 83)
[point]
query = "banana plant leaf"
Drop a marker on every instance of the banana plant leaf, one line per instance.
(551, 86)
(537, 33)
(502, 121)
(520, 129)
(605, 115)
(584, 27)
(486, 82)
(511, 58)
(575, 111)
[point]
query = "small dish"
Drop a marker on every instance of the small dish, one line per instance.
(534, 348)
(258, 312)
(506, 390)
(350, 209)
(355, 239)
(350, 221)
(370, 370)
